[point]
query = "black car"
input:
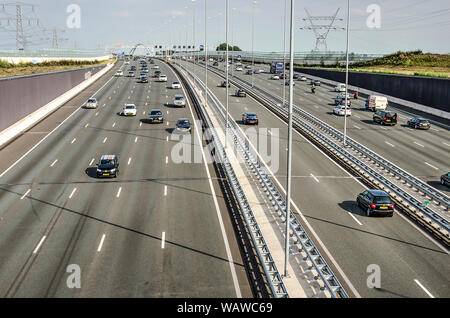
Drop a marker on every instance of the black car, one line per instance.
(215, 64)
(419, 123)
(445, 179)
(249, 72)
(108, 166)
(287, 83)
(143, 79)
(224, 84)
(156, 116)
(375, 201)
(156, 74)
(340, 100)
(296, 76)
(250, 118)
(241, 93)
(385, 117)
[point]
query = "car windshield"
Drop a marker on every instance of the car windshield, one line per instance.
(130, 107)
(176, 83)
(251, 115)
(179, 97)
(423, 121)
(155, 112)
(382, 199)
(184, 123)
(106, 161)
(91, 100)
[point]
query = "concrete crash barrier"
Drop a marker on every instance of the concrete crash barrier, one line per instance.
(28, 99)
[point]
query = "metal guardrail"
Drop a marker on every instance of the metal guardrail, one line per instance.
(323, 271)
(442, 223)
(271, 272)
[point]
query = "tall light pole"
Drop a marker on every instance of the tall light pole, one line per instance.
(205, 47)
(284, 52)
(346, 75)
(289, 159)
(253, 39)
(232, 41)
(226, 67)
(193, 40)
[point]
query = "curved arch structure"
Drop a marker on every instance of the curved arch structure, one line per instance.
(139, 45)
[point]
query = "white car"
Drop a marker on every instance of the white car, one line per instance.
(176, 85)
(179, 100)
(340, 110)
(258, 71)
(162, 78)
(130, 74)
(303, 78)
(155, 67)
(275, 77)
(239, 68)
(129, 110)
(340, 88)
(91, 103)
(119, 73)
(127, 62)
(342, 95)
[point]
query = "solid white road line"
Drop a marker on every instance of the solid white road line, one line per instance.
(354, 218)
(163, 238)
(129, 160)
(317, 180)
(446, 144)
(118, 192)
(101, 243)
(39, 245)
(167, 138)
(165, 190)
(56, 160)
(25, 194)
(431, 166)
(92, 161)
(389, 144)
(424, 289)
(72, 193)
(357, 127)
(167, 123)
(419, 144)
(140, 124)
(73, 140)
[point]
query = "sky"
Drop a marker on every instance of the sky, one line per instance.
(402, 24)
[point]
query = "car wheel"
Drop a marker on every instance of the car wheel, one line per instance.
(415, 126)
(368, 212)
(442, 182)
(391, 214)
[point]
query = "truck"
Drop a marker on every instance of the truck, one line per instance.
(276, 67)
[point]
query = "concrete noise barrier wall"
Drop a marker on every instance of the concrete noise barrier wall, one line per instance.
(22, 95)
(429, 91)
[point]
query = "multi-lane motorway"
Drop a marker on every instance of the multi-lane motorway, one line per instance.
(411, 263)
(160, 229)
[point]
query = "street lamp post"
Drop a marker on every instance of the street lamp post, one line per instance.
(253, 39)
(284, 53)
(289, 159)
(193, 40)
(346, 75)
(205, 47)
(226, 67)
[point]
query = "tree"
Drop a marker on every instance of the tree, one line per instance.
(223, 47)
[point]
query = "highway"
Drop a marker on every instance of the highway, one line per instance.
(160, 229)
(412, 264)
(428, 151)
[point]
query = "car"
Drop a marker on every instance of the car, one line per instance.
(375, 201)
(127, 62)
(385, 117)
(129, 110)
(445, 179)
(152, 62)
(248, 66)
(143, 79)
(296, 76)
(340, 100)
(91, 103)
(340, 88)
(119, 73)
(240, 93)
(250, 118)
(303, 79)
(287, 83)
(133, 68)
(315, 82)
(224, 84)
(282, 75)
(156, 116)
(375, 103)
(275, 77)
(216, 64)
(162, 78)
(145, 69)
(342, 95)
(249, 72)
(183, 125)
(108, 166)
(239, 68)
(179, 100)
(340, 110)
(419, 123)
(156, 74)
(176, 85)
(155, 67)
(130, 74)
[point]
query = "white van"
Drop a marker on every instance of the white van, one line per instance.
(340, 88)
(375, 103)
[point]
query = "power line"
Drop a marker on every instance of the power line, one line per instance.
(19, 19)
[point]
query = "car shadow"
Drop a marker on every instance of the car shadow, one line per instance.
(91, 172)
(330, 113)
(353, 208)
(170, 130)
(369, 122)
(439, 186)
